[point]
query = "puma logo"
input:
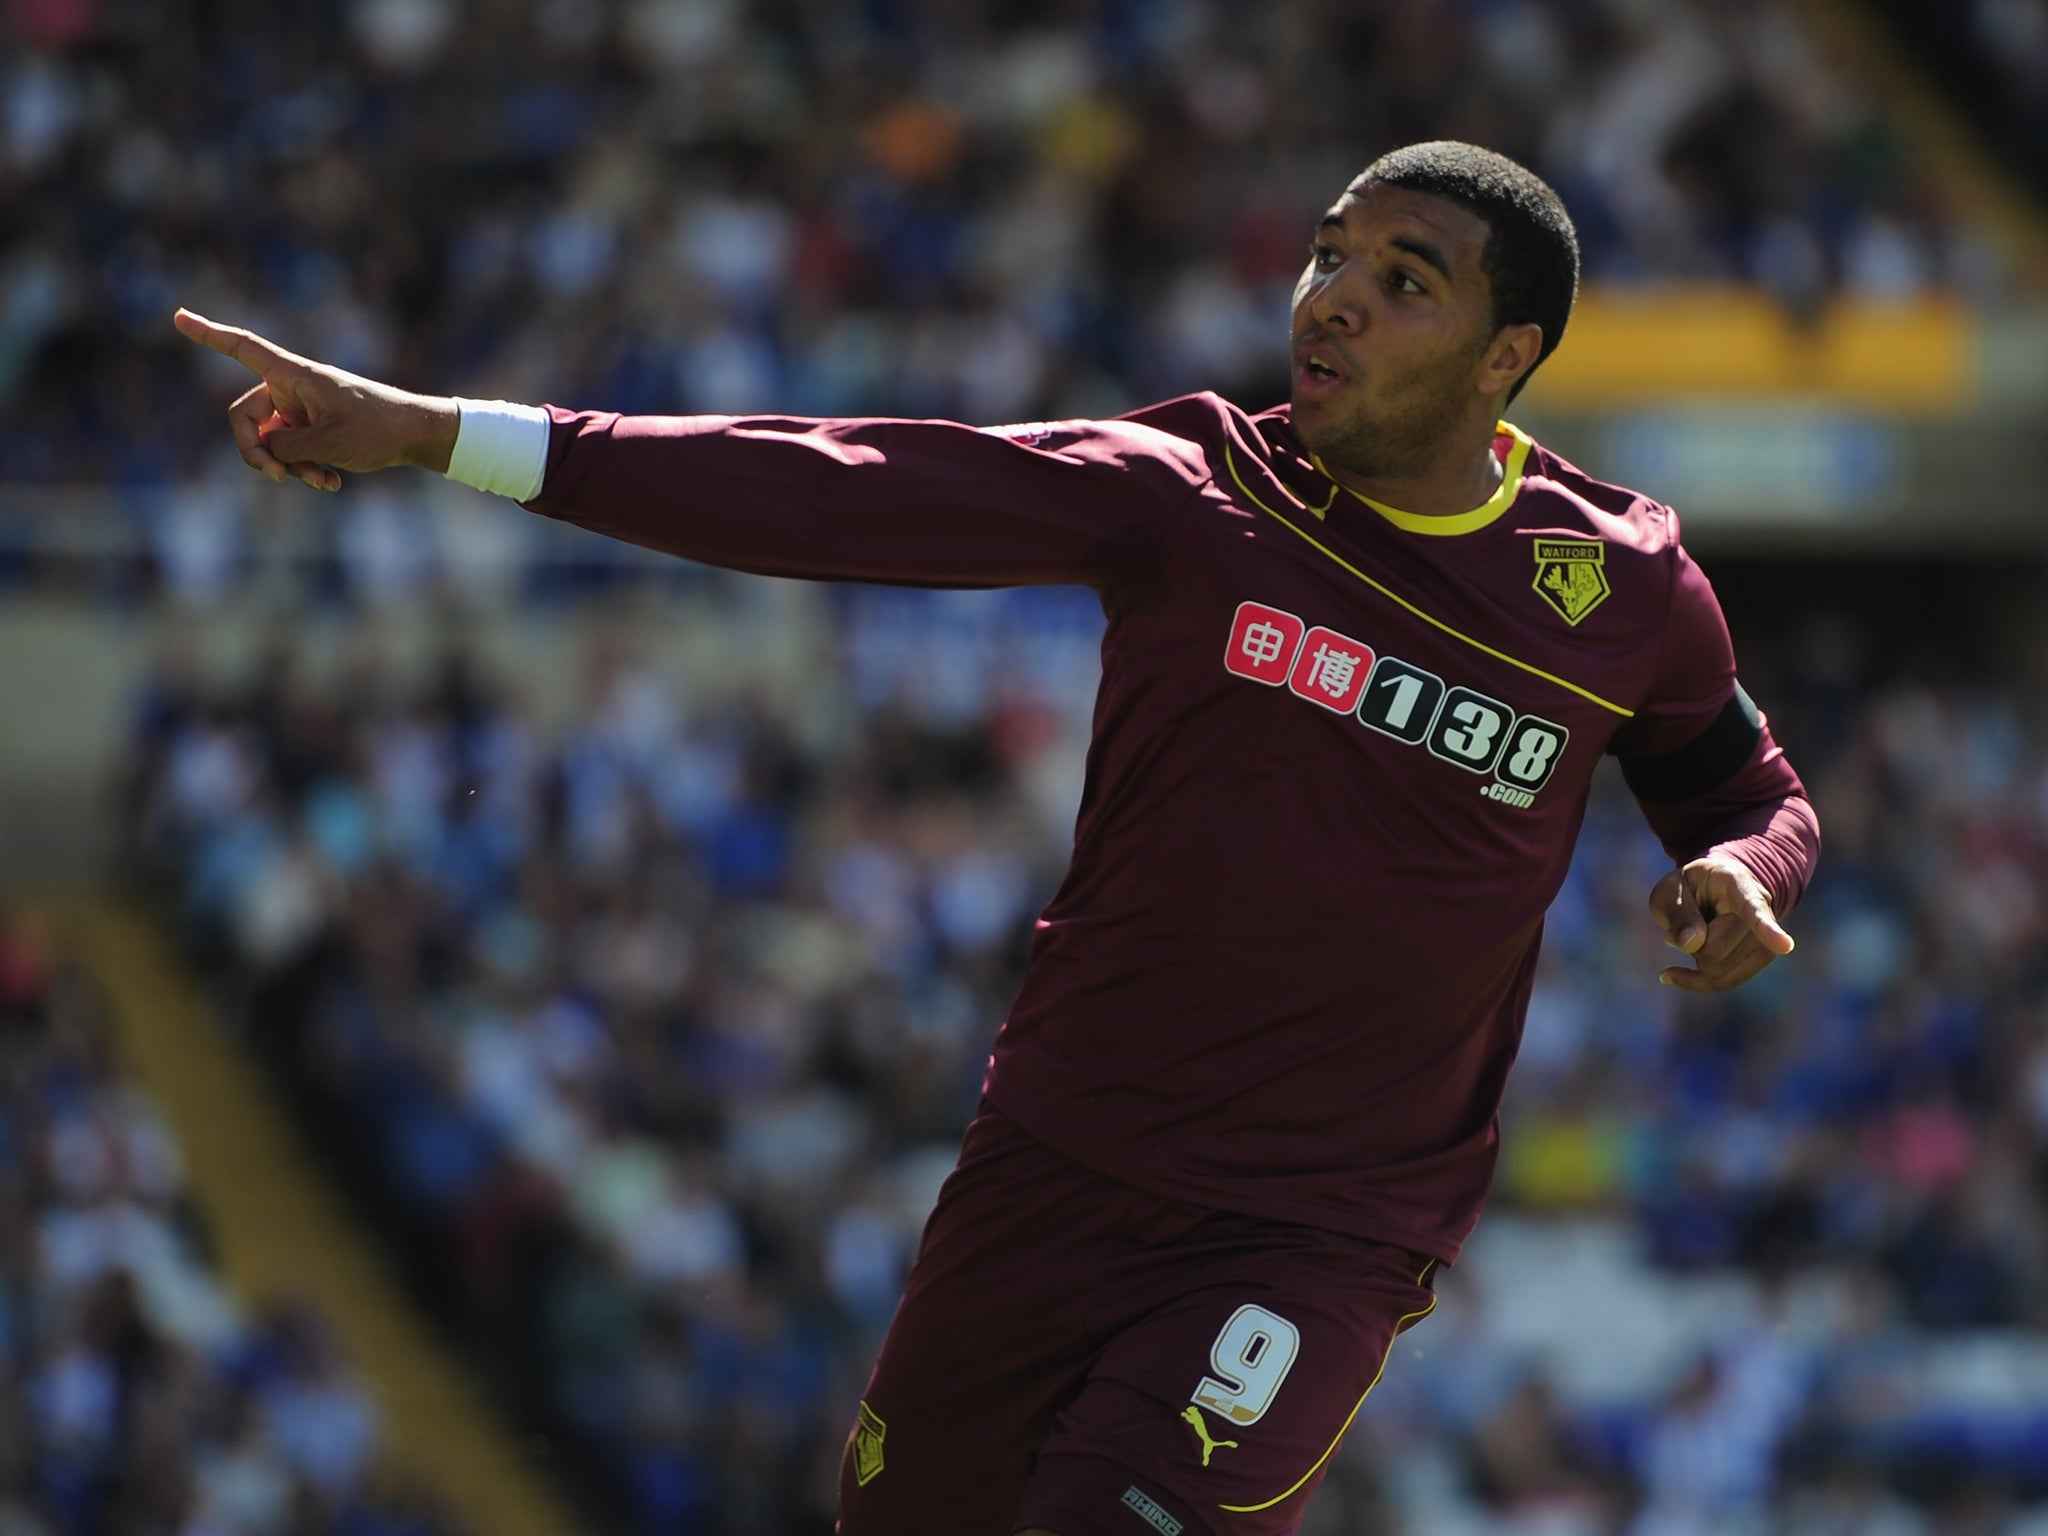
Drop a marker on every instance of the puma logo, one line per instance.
(1194, 1416)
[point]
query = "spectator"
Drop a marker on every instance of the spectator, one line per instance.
(133, 1396)
(834, 209)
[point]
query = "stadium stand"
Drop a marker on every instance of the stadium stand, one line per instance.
(1993, 54)
(276, 1227)
(136, 1394)
(908, 209)
(656, 1034)
(645, 1029)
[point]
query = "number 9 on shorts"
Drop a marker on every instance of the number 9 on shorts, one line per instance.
(1251, 1357)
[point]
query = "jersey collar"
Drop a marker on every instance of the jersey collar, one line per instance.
(1518, 445)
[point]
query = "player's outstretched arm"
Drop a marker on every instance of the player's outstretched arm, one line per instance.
(931, 503)
(1715, 910)
(309, 421)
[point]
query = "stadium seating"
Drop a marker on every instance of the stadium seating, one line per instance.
(659, 1060)
(647, 1031)
(837, 209)
(135, 1393)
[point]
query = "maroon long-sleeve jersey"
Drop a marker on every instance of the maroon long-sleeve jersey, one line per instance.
(1340, 758)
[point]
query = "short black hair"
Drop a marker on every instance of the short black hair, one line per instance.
(1531, 258)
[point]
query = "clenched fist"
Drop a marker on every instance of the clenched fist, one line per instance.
(311, 421)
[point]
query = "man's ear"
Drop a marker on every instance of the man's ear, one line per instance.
(1513, 354)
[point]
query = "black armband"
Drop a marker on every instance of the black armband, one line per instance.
(1703, 764)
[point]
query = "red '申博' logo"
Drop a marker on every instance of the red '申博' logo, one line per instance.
(1263, 642)
(1332, 670)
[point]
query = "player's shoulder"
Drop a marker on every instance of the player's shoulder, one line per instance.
(1219, 439)
(1202, 424)
(1177, 434)
(1192, 417)
(1235, 446)
(1557, 491)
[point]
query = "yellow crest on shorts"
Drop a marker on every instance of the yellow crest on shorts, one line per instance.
(868, 1431)
(1571, 576)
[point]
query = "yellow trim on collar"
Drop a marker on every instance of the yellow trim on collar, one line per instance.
(1230, 462)
(1459, 522)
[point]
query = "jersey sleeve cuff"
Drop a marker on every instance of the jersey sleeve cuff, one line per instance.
(500, 447)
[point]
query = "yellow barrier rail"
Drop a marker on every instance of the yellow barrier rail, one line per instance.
(1625, 349)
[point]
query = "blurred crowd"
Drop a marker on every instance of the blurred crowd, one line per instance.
(974, 208)
(655, 1035)
(658, 1029)
(136, 1397)
(651, 1031)
(1992, 58)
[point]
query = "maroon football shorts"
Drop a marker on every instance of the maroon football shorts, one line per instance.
(1078, 1355)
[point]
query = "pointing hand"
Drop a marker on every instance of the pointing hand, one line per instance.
(309, 421)
(1715, 910)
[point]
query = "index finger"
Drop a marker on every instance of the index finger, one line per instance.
(245, 347)
(1756, 912)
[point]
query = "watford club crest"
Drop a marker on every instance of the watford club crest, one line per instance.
(868, 1431)
(1571, 575)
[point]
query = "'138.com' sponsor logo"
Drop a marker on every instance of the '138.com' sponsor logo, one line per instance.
(1398, 699)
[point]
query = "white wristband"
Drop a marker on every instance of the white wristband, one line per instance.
(500, 447)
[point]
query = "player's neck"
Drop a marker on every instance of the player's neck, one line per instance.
(1448, 485)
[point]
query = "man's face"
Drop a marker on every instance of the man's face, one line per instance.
(1393, 320)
